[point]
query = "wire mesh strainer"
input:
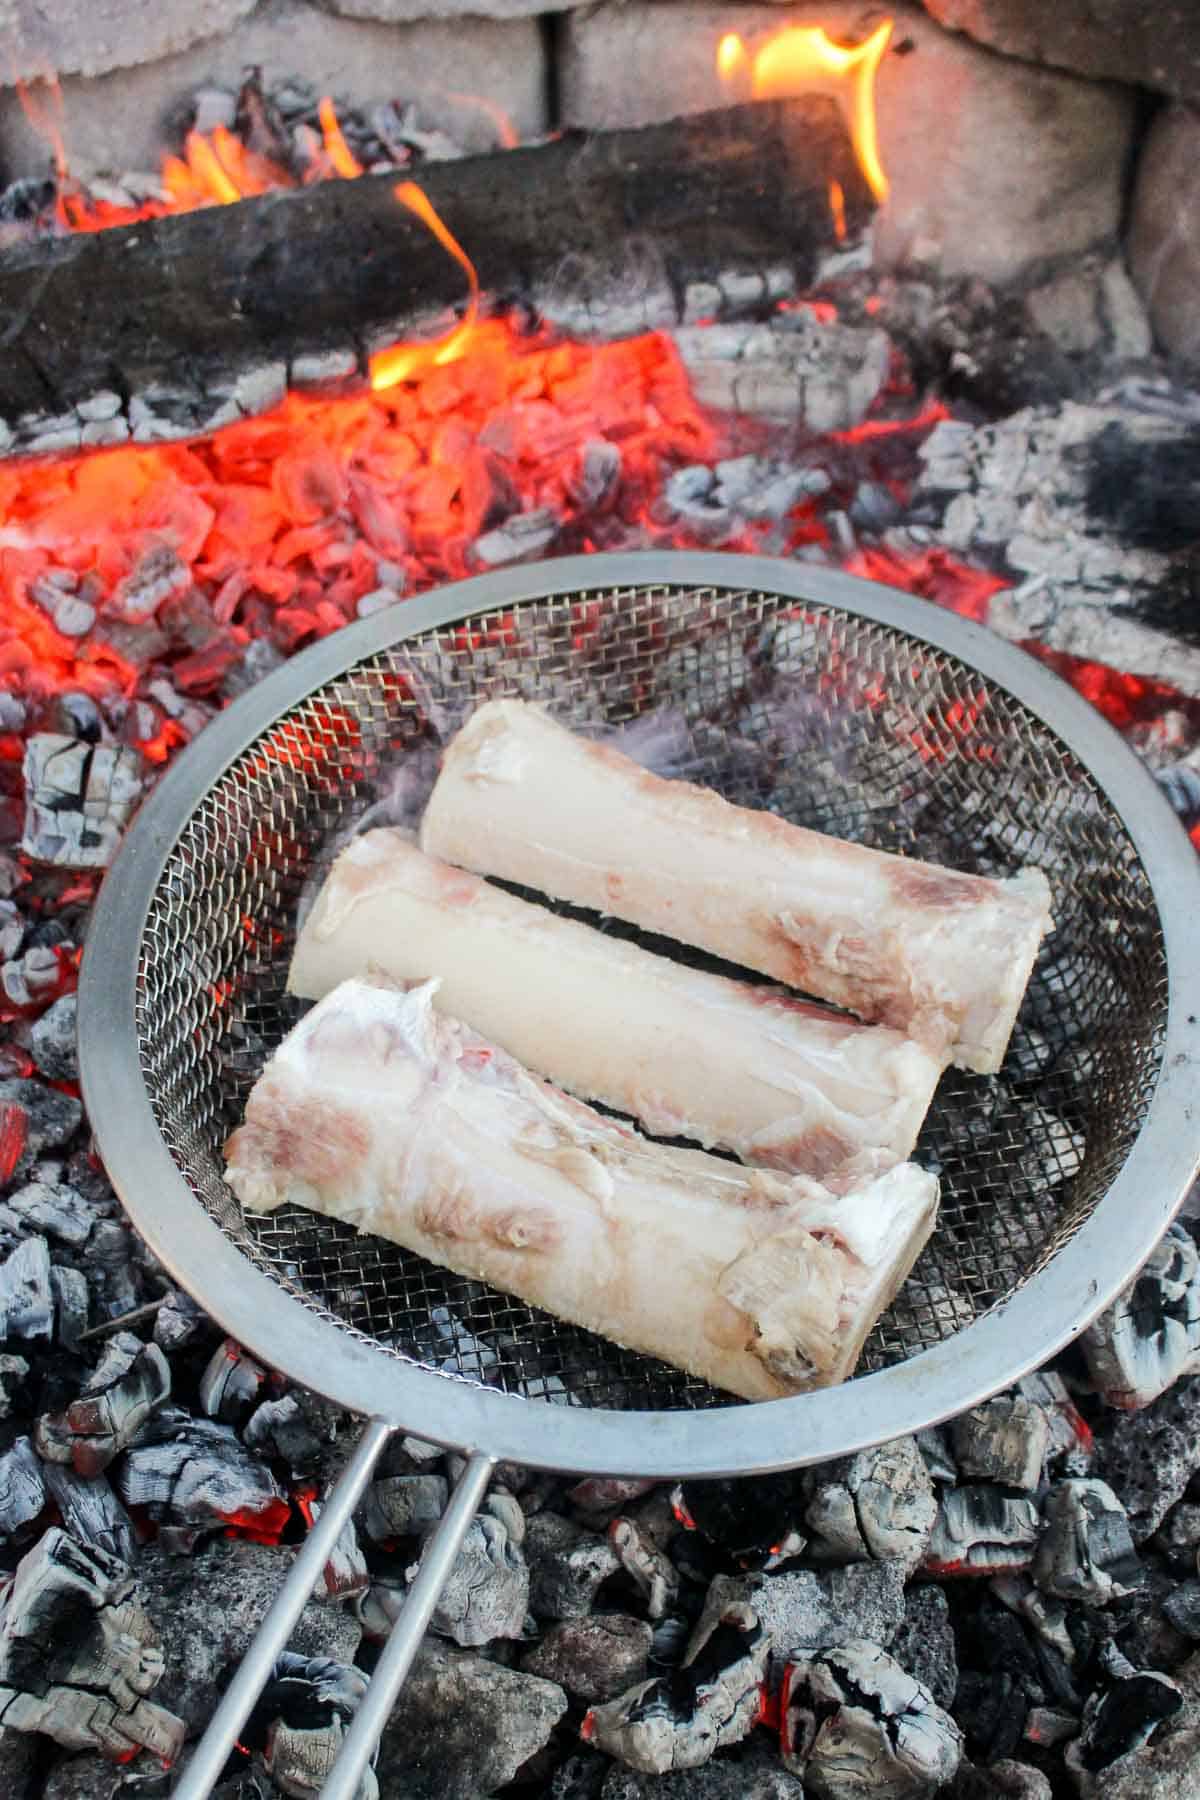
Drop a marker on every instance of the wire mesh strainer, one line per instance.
(831, 701)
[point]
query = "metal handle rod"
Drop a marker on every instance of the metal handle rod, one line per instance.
(204, 1770)
(376, 1704)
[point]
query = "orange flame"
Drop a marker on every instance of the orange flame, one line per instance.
(507, 135)
(396, 363)
(802, 60)
(336, 147)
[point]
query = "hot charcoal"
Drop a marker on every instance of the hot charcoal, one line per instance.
(1004, 1608)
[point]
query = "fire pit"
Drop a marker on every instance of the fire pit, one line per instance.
(243, 406)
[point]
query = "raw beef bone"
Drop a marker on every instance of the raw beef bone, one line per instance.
(741, 1068)
(942, 956)
(378, 1110)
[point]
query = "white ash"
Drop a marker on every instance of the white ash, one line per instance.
(793, 370)
(567, 1565)
(1086, 1551)
(178, 1321)
(486, 1595)
(308, 1705)
(230, 1384)
(982, 1529)
(525, 534)
(56, 1209)
(1005, 1440)
(279, 1428)
(855, 1722)
(879, 1504)
(1150, 1337)
(94, 1673)
(1070, 1436)
(79, 797)
(26, 1297)
(650, 1570)
(709, 1704)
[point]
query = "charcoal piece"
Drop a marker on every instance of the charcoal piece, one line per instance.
(29, 980)
(934, 1445)
(1045, 1726)
(1002, 1780)
(72, 1302)
(178, 1321)
(463, 1726)
(924, 1643)
(22, 1486)
(1046, 1615)
(78, 1656)
(206, 1609)
(1148, 1457)
(1140, 1625)
(1071, 1441)
(193, 1472)
(19, 1759)
(748, 1518)
(853, 1722)
(677, 1721)
(26, 1297)
(525, 534)
(78, 798)
(981, 1530)
(1182, 1608)
(486, 1595)
(1150, 1336)
(750, 1772)
(566, 1566)
(1147, 492)
(690, 496)
(1121, 1717)
(507, 1508)
(91, 1511)
(878, 1504)
(51, 1116)
(56, 1209)
(300, 1721)
(229, 1385)
(650, 1570)
(279, 1428)
(1178, 1536)
(13, 1371)
(594, 1658)
(345, 1575)
(403, 1506)
(131, 1383)
(1005, 1440)
(52, 1041)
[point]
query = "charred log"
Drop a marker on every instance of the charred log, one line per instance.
(164, 327)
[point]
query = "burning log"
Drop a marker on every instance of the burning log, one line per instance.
(982, 1531)
(224, 291)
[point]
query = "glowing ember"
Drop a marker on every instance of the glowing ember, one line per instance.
(338, 151)
(801, 59)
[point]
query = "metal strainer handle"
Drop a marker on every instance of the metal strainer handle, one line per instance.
(220, 1737)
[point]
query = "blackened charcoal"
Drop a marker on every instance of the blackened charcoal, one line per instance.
(1122, 1717)
(22, 1487)
(1086, 1552)
(749, 1518)
(78, 1656)
(279, 1428)
(566, 1566)
(13, 1371)
(193, 1472)
(981, 1530)
(876, 1505)
(71, 1304)
(486, 1595)
(1150, 1336)
(649, 1568)
(1182, 1608)
(52, 1041)
(178, 1321)
(300, 1721)
(854, 1722)
(712, 1700)
(1005, 1440)
(595, 1658)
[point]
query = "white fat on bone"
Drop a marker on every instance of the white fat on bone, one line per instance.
(749, 1069)
(942, 956)
(380, 1111)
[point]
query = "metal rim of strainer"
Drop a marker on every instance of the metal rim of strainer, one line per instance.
(1020, 1333)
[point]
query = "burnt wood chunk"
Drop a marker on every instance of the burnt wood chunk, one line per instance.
(188, 298)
